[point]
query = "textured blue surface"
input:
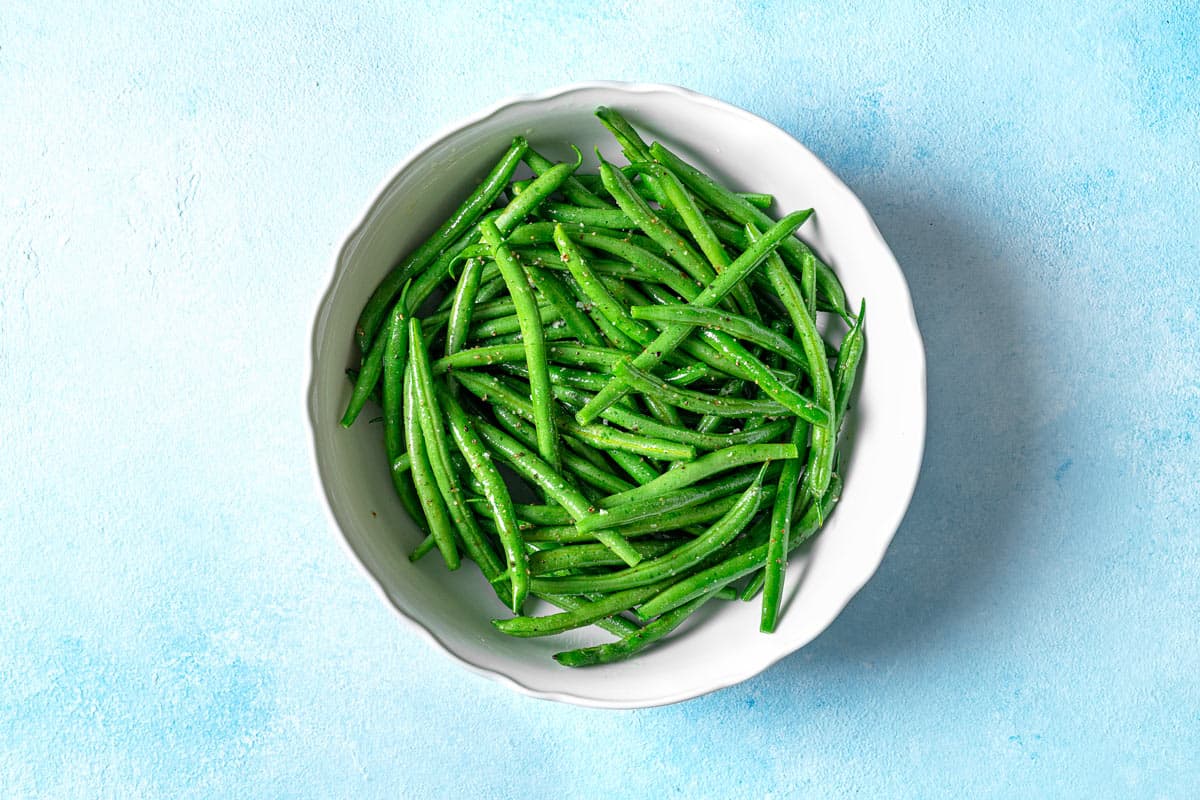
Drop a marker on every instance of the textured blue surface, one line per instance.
(178, 620)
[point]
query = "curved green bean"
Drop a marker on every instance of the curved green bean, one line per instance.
(781, 526)
(615, 624)
(824, 432)
(459, 222)
(432, 503)
(525, 203)
(653, 225)
(641, 424)
(674, 563)
(364, 384)
(495, 492)
(395, 353)
(847, 364)
(437, 450)
(633, 643)
(585, 614)
(699, 402)
(575, 190)
(745, 213)
(458, 321)
(535, 344)
(711, 464)
(743, 563)
(586, 556)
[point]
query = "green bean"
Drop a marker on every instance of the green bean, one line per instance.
(710, 296)
(584, 556)
(563, 353)
(653, 226)
(500, 326)
(608, 438)
(631, 143)
(824, 433)
(587, 613)
(460, 221)
(432, 503)
(705, 466)
(662, 411)
(544, 514)
(575, 191)
(525, 203)
(552, 334)
(596, 292)
(781, 526)
(686, 376)
(612, 335)
(461, 312)
(699, 402)
(756, 199)
(529, 466)
(847, 364)
(532, 337)
(562, 376)
(641, 424)
(712, 351)
(735, 325)
(364, 386)
(437, 449)
(680, 200)
(745, 213)
(681, 520)
(480, 311)
(674, 563)
(490, 288)
(615, 624)
(808, 282)
(745, 562)
(495, 492)
(395, 350)
(650, 265)
(661, 512)
(610, 268)
(598, 217)
(633, 643)
(427, 545)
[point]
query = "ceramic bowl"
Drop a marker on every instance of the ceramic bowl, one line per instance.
(721, 645)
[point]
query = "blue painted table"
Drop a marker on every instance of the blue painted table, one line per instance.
(178, 619)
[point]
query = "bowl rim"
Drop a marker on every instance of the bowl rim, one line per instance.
(734, 676)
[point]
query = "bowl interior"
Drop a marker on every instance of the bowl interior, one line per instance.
(881, 456)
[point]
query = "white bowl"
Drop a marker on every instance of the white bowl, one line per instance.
(885, 435)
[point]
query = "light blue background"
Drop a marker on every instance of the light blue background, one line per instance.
(178, 619)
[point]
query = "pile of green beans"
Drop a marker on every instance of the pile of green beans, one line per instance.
(635, 352)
